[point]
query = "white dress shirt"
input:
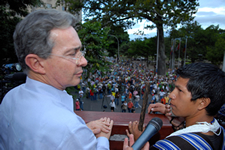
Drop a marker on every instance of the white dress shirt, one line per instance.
(37, 116)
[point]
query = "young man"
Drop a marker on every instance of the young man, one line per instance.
(198, 95)
(39, 114)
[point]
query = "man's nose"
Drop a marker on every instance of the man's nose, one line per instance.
(172, 95)
(83, 62)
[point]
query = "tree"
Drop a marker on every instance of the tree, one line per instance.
(198, 38)
(167, 46)
(207, 44)
(143, 48)
(160, 12)
(152, 46)
(95, 41)
(115, 33)
(215, 54)
(11, 12)
(136, 48)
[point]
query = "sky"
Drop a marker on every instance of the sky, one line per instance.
(210, 12)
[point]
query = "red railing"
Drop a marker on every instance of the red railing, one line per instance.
(121, 121)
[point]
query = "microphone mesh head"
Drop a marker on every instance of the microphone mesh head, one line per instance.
(157, 123)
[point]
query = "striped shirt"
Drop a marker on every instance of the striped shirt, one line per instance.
(191, 141)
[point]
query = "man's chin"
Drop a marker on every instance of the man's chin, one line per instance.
(173, 113)
(74, 83)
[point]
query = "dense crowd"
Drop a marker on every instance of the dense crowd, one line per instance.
(125, 84)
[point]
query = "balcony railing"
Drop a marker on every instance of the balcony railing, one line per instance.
(121, 121)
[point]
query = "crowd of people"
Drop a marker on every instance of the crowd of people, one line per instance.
(125, 83)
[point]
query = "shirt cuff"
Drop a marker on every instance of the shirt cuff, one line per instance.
(103, 143)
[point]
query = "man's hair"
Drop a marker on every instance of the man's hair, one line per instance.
(32, 34)
(205, 81)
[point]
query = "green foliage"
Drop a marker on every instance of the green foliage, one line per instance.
(11, 12)
(123, 13)
(72, 6)
(215, 54)
(7, 27)
(167, 46)
(70, 90)
(95, 41)
(152, 46)
(200, 41)
(169, 13)
(124, 48)
(18, 7)
(123, 38)
(143, 48)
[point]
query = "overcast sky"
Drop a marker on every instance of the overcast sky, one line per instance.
(210, 12)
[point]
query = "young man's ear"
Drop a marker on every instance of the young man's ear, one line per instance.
(35, 63)
(204, 102)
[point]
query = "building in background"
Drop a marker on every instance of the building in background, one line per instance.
(51, 4)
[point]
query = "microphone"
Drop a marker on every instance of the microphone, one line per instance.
(152, 128)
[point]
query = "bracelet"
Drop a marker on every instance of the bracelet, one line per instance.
(171, 120)
(175, 128)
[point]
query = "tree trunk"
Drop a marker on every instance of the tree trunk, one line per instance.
(162, 56)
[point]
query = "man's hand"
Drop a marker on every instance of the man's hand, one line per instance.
(127, 146)
(133, 128)
(177, 122)
(100, 125)
(106, 134)
(168, 112)
(157, 107)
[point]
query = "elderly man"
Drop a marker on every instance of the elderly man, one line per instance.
(39, 114)
(198, 95)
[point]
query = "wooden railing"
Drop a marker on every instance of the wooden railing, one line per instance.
(121, 121)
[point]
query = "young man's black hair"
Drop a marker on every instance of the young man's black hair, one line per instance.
(205, 81)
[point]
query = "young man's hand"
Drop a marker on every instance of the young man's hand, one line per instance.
(157, 107)
(133, 129)
(127, 146)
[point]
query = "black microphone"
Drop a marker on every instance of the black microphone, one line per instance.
(152, 128)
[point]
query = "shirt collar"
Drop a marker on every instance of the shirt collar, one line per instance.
(57, 95)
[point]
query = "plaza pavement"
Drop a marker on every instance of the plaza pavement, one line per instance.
(97, 105)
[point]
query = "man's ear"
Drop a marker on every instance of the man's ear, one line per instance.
(35, 63)
(203, 103)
